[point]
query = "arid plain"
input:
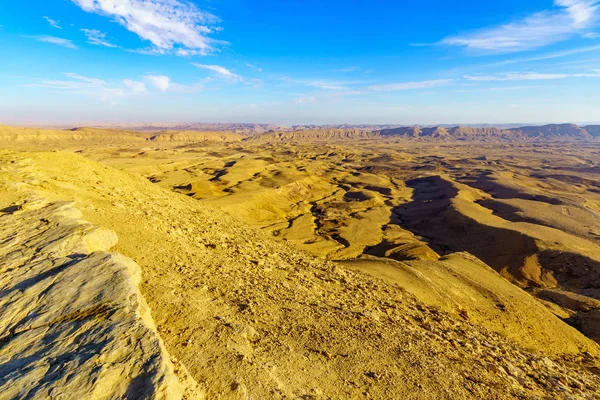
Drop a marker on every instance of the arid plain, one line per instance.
(335, 263)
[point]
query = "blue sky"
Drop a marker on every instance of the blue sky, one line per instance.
(300, 62)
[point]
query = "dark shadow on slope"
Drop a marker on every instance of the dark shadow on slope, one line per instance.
(431, 216)
(574, 271)
(492, 187)
(222, 172)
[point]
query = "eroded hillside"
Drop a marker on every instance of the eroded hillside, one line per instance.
(251, 316)
(530, 211)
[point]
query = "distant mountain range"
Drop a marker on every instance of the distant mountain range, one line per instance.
(545, 132)
(554, 131)
(271, 133)
(244, 128)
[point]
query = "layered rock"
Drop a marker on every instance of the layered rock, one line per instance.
(196, 136)
(17, 135)
(73, 323)
(545, 132)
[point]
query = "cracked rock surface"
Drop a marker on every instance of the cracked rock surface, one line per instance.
(73, 323)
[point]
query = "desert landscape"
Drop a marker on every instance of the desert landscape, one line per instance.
(300, 263)
(299, 200)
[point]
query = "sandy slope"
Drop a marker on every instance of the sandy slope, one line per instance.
(529, 210)
(251, 317)
(462, 285)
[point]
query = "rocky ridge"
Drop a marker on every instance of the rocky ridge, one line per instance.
(97, 136)
(17, 136)
(73, 323)
(196, 136)
(242, 128)
(546, 132)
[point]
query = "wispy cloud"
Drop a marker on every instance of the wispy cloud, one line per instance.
(190, 88)
(180, 88)
(519, 87)
(148, 51)
(96, 37)
(53, 22)
(502, 88)
(326, 84)
(528, 76)
(76, 82)
(588, 63)
(135, 86)
(222, 72)
(93, 87)
(172, 26)
(554, 55)
(161, 82)
(54, 40)
(164, 84)
(391, 87)
(348, 69)
(254, 67)
(569, 17)
(523, 60)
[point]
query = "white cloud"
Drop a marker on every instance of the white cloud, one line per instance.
(194, 87)
(591, 35)
(172, 26)
(254, 67)
(55, 40)
(320, 84)
(503, 88)
(189, 52)
(93, 87)
(53, 22)
(583, 63)
(582, 12)
(111, 94)
(390, 87)
(306, 99)
(135, 86)
(76, 83)
(96, 37)
(508, 88)
(558, 54)
(325, 84)
(522, 60)
(515, 76)
(160, 82)
(527, 76)
(348, 69)
(568, 18)
(164, 84)
(94, 82)
(221, 71)
(148, 51)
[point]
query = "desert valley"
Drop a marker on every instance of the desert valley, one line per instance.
(299, 200)
(300, 263)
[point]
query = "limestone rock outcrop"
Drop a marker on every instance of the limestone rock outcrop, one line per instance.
(73, 323)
